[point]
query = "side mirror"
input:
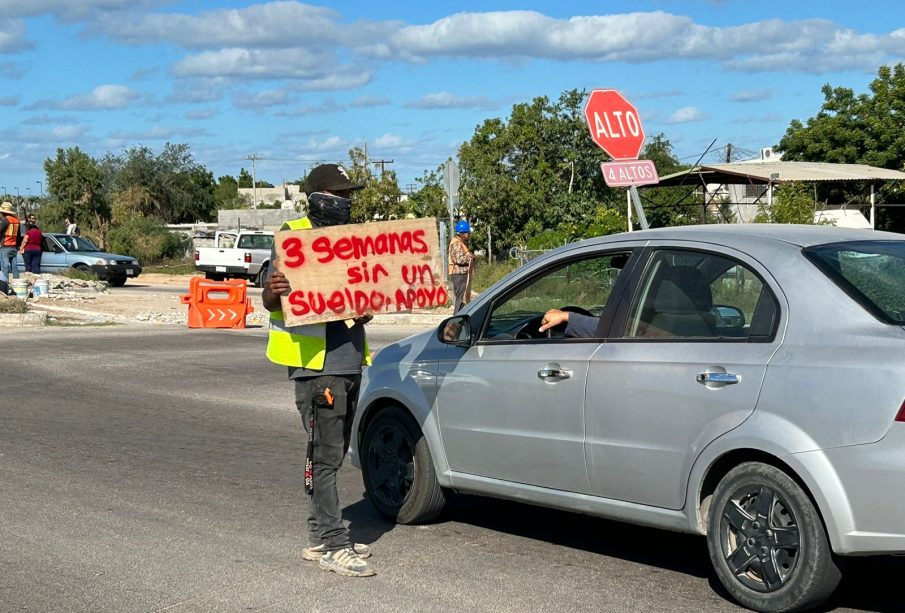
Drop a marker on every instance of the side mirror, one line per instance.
(455, 331)
(729, 316)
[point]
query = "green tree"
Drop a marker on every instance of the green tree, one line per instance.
(667, 206)
(792, 203)
(245, 180)
(76, 189)
(538, 171)
(177, 189)
(381, 198)
(854, 128)
(226, 194)
(429, 199)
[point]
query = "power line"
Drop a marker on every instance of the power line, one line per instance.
(382, 163)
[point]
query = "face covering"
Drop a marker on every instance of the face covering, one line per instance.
(328, 210)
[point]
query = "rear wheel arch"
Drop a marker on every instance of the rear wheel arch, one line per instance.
(720, 467)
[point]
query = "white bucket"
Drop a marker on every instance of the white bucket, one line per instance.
(20, 288)
(41, 288)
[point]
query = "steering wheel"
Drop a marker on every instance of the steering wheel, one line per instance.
(529, 329)
(577, 309)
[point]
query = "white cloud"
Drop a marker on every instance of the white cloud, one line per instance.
(200, 114)
(12, 36)
(9, 101)
(687, 114)
(103, 97)
(363, 102)
(751, 95)
(158, 133)
(646, 37)
(66, 10)
(325, 107)
(261, 100)
(445, 100)
(344, 78)
(390, 141)
(254, 63)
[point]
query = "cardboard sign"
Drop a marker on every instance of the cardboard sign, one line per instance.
(342, 272)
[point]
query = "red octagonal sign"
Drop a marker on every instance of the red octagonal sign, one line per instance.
(614, 124)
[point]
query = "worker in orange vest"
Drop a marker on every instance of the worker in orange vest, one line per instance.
(10, 236)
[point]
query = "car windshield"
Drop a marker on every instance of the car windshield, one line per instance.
(76, 243)
(872, 272)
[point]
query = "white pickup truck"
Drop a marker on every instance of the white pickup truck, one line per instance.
(236, 254)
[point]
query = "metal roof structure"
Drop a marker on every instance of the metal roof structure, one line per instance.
(777, 172)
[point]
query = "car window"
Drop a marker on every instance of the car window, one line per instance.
(688, 294)
(873, 272)
(255, 241)
(583, 286)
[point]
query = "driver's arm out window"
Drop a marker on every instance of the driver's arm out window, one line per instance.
(581, 286)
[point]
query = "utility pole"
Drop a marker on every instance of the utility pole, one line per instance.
(254, 180)
(382, 163)
(729, 153)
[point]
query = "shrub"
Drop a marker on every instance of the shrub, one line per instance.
(12, 305)
(83, 274)
(148, 240)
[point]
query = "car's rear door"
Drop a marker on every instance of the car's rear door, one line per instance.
(684, 364)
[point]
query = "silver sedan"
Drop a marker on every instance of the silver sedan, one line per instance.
(743, 382)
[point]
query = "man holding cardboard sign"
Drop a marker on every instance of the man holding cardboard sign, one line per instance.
(324, 361)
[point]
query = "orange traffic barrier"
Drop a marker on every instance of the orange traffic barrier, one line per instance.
(217, 304)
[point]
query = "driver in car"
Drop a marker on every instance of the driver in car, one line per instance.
(577, 325)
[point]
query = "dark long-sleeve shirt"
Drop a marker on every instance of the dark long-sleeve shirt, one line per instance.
(582, 326)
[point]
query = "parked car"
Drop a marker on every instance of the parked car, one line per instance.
(239, 254)
(744, 382)
(63, 252)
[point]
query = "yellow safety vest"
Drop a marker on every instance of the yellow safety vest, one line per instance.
(300, 346)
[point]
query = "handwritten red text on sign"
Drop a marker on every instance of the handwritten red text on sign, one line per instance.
(349, 271)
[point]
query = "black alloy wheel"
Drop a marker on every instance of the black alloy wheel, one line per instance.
(760, 538)
(398, 469)
(767, 541)
(391, 464)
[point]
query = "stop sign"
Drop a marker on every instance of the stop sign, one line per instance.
(614, 124)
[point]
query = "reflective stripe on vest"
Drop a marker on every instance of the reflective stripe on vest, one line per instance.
(300, 346)
(12, 231)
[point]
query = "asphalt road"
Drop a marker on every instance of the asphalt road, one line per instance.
(156, 468)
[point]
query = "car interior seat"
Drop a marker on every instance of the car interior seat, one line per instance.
(682, 303)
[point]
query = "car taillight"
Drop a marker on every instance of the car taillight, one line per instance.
(900, 416)
(196, 256)
(248, 258)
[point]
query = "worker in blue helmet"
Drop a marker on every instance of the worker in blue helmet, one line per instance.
(461, 265)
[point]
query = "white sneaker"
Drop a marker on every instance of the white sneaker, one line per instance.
(317, 552)
(347, 563)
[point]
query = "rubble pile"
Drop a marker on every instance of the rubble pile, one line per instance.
(65, 286)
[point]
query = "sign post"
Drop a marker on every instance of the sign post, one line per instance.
(615, 127)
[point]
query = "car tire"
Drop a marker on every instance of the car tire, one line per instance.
(116, 282)
(767, 541)
(398, 469)
(261, 279)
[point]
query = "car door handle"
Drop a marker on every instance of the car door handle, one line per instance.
(553, 372)
(717, 379)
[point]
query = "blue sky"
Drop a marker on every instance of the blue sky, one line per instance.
(294, 83)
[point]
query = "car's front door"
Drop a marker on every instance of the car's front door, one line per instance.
(53, 258)
(511, 407)
(683, 365)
